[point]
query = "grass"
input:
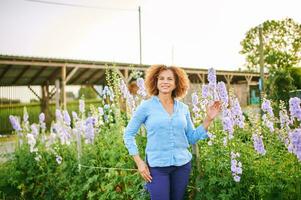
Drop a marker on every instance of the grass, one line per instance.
(33, 110)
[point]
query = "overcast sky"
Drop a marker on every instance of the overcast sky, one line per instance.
(187, 33)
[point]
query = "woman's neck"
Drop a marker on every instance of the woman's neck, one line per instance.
(165, 98)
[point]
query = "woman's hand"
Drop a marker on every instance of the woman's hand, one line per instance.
(143, 168)
(212, 112)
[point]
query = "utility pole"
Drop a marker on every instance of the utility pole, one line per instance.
(261, 64)
(261, 60)
(140, 42)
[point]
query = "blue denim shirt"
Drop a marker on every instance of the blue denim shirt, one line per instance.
(168, 136)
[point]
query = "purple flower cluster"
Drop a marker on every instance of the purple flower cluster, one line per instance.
(294, 108)
(205, 91)
(237, 114)
(42, 122)
(269, 115)
(31, 140)
(107, 92)
(34, 130)
(81, 106)
(268, 123)
(141, 91)
(295, 142)
(89, 131)
(195, 102)
(127, 96)
(258, 144)
(15, 123)
(284, 119)
(228, 124)
(236, 166)
(67, 118)
(223, 94)
(212, 77)
(266, 107)
(58, 115)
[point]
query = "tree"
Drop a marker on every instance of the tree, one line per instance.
(296, 75)
(280, 85)
(87, 92)
(281, 50)
(282, 44)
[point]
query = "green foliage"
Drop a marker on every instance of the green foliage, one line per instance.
(282, 44)
(26, 178)
(275, 175)
(296, 75)
(279, 85)
(87, 92)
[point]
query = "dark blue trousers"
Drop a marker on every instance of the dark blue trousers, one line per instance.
(169, 183)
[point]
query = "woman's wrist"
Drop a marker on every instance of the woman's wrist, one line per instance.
(207, 121)
(137, 159)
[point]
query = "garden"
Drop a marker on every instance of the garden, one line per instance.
(82, 155)
(250, 154)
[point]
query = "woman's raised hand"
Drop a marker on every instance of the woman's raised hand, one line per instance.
(213, 110)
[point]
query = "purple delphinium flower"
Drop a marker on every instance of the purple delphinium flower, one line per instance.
(195, 101)
(127, 96)
(25, 116)
(269, 115)
(294, 108)
(212, 77)
(141, 91)
(222, 93)
(58, 114)
(295, 142)
(266, 107)
(236, 167)
(107, 92)
(284, 119)
(237, 113)
(225, 141)
(74, 116)
(268, 123)
(205, 91)
(228, 124)
(31, 142)
(34, 130)
(258, 144)
(41, 117)
(42, 121)
(67, 118)
(89, 131)
(15, 123)
(81, 106)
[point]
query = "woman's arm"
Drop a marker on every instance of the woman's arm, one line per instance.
(199, 133)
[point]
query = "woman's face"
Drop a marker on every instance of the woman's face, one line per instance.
(166, 82)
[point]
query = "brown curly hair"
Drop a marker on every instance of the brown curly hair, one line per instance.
(181, 80)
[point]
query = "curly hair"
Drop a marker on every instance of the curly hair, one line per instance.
(181, 80)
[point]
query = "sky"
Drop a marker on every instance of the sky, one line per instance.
(197, 34)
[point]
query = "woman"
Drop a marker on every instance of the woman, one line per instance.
(169, 133)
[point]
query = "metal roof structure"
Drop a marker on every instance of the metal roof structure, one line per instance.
(29, 71)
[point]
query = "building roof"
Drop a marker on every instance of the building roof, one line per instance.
(24, 71)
